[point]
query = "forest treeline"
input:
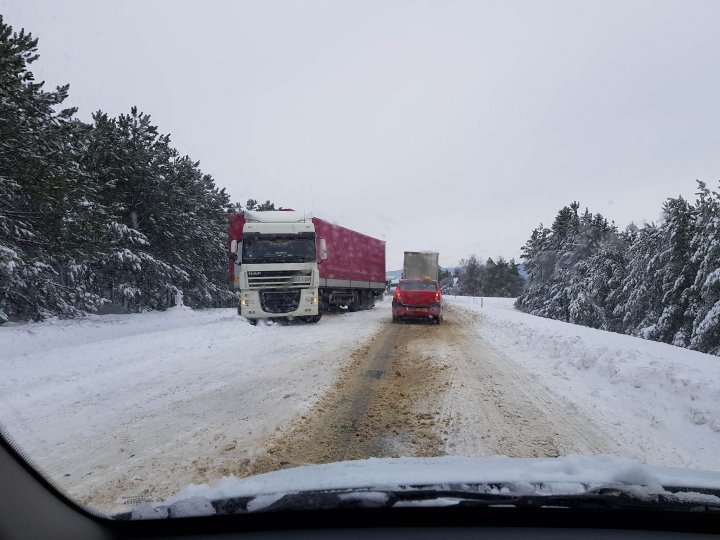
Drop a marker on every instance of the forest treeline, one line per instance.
(660, 281)
(495, 277)
(100, 212)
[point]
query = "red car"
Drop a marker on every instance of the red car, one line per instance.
(417, 299)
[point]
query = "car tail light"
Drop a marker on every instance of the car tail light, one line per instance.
(437, 296)
(398, 297)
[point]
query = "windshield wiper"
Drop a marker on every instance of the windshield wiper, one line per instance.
(600, 498)
(613, 497)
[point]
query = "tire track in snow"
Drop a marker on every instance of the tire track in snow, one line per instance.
(384, 404)
(426, 390)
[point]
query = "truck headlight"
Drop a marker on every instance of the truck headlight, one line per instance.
(313, 299)
(245, 301)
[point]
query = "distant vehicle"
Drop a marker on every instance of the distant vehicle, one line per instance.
(418, 299)
(421, 265)
(391, 285)
(288, 265)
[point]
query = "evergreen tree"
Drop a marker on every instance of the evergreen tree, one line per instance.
(675, 272)
(661, 282)
(470, 277)
(705, 290)
(100, 212)
(447, 284)
(43, 202)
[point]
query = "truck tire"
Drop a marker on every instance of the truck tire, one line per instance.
(355, 304)
(252, 321)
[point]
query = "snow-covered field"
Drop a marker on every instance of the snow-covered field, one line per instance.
(660, 402)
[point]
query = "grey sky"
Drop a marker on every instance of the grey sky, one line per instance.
(451, 126)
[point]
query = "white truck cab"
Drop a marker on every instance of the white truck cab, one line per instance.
(276, 266)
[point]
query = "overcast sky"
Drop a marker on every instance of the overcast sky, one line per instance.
(448, 126)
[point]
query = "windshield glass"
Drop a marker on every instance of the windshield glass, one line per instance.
(206, 209)
(278, 249)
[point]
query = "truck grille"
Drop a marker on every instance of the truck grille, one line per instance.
(260, 279)
(279, 301)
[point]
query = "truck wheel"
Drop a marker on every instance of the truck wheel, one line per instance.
(252, 321)
(315, 318)
(355, 304)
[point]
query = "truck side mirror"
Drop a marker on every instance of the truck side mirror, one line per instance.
(322, 256)
(235, 251)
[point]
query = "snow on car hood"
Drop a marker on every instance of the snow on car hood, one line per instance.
(573, 474)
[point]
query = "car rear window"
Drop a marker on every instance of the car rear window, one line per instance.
(417, 286)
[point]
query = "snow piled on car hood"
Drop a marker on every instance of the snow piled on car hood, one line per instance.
(570, 475)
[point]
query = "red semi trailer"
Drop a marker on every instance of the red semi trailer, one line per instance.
(287, 265)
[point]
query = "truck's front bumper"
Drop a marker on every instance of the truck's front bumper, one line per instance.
(278, 303)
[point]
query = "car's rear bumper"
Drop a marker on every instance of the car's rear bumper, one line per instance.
(401, 311)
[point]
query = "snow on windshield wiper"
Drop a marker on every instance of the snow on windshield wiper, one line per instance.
(478, 495)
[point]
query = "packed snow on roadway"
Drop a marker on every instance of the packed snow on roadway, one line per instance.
(112, 398)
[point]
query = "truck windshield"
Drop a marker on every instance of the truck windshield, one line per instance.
(278, 249)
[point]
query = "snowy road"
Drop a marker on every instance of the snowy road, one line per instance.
(119, 409)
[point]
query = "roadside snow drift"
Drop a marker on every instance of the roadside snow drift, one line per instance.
(661, 402)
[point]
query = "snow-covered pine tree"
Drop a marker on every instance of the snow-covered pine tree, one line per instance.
(42, 205)
(447, 285)
(675, 272)
(705, 298)
(573, 268)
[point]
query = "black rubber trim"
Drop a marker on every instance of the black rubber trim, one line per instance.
(16, 452)
(366, 518)
(447, 517)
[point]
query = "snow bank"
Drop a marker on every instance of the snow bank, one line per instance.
(26, 338)
(572, 474)
(661, 402)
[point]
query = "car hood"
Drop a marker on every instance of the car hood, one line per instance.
(568, 475)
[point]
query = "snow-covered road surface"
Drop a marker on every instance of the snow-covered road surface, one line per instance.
(120, 409)
(125, 407)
